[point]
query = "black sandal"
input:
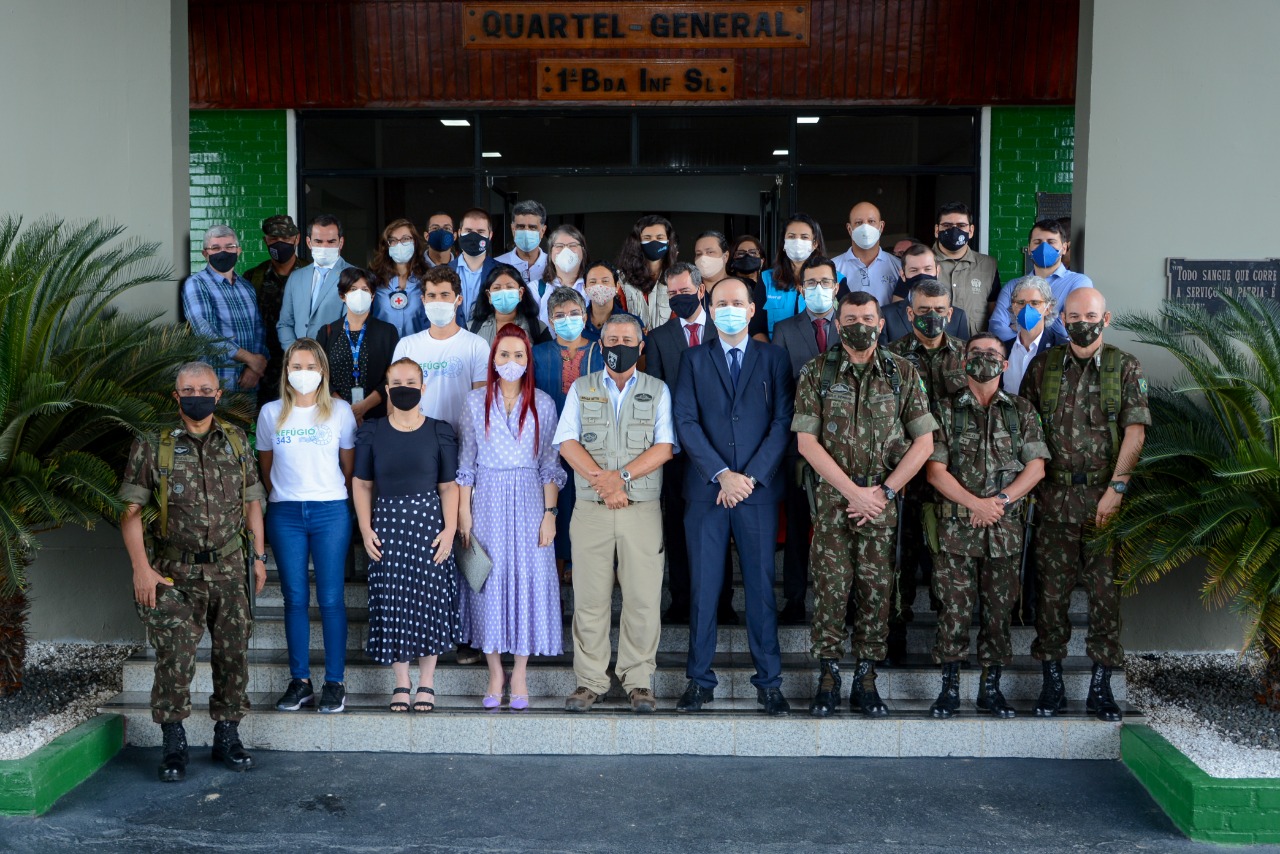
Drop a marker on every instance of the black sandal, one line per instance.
(399, 705)
(424, 705)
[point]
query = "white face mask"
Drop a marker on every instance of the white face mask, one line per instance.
(305, 382)
(866, 235)
(601, 294)
(401, 252)
(567, 261)
(325, 256)
(709, 265)
(797, 250)
(441, 313)
(359, 301)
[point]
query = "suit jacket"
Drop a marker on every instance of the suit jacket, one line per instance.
(796, 336)
(897, 325)
(459, 264)
(745, 429)
(297, 319)
(665, 345)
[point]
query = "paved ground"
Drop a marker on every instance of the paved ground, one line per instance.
(396, 802)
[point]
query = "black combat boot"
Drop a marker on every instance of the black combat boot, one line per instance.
(1100, 701)
(1053, 694)
(173, 761)
(227, 748)
(990, 698)
(828, 697)
(863, 696)
(948, 702)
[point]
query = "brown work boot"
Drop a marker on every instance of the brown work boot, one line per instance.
(642, 701)
(581, 700)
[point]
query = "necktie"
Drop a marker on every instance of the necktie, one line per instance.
(695, 337)
(820, 329)
(735, 367)
(317, 283)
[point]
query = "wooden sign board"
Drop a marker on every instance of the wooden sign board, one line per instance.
(1194, 282)
(636, 79)
(634, 25)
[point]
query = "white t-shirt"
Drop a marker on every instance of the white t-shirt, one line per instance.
(304, 464)
(449, 368)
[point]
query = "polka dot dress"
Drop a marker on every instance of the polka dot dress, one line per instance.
(411, 599)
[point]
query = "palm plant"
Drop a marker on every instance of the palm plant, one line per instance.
(1209, 476)
(77, 380)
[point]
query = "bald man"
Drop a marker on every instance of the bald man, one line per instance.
(1092, 400)
(866, 266)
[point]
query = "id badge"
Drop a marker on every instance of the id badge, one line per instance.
(357, 395)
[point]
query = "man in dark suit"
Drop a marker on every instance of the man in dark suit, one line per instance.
(804, 336)
(918, 263)
(689, 326)
(733, 406)
(474, 263)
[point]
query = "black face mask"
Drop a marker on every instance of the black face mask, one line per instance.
(653, 249)
(685, 305)
(952, 239)
(473, 244)
(198, 408)
(281, 252)
(929, 325)
(745, 264)
(223, 262)
(404, 397)
(621, 358)
(903, 287)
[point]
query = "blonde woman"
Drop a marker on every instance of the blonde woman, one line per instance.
(306, 449)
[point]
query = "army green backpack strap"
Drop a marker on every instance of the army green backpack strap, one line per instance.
(1014, 427)
(238, 450)
(164, 465)
(830, 364)
(890, 368)
(1051, 382)
(1111, 394)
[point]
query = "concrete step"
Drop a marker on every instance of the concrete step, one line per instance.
(553, 676)
(726, 728)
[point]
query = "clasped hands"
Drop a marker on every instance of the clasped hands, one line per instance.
(611, 488)
(734, 489)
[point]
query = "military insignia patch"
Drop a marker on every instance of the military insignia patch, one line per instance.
(1142, 385)
(839, 388)
(178, 489)
(643, 396)
(923, 387)
(976, 284)
(588, 437)
(181, 449)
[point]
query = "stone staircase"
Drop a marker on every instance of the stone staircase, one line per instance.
(731, 725)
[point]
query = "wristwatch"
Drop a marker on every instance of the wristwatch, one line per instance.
(554, 511)
(626, 476)
(754, 482)
(262, 557)
(1003, 497)
(1119, 486)
(889, 492)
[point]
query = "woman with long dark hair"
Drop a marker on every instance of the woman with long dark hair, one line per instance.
(784, 296)
(505, 299)
(646, 255)
(398, 266)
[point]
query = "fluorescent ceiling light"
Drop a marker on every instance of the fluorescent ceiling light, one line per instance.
(807, 120)
(491, 154)
(455, 123)
(780, 152)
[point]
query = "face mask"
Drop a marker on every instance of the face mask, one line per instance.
(859, 336)
(654, 249)
(685, 305)
(281, 252)
(983, 368)
(404, 397)
(818, 299)
(797, 250)
(1083, 333)
(621, 358)
(1045, 255)
(1029, 317)
(866, 236)
(359, 301)
(569, 328)
(930, 325)
(325, 256)
(198, 408)
(504, 302)
(473, 244)
(440, 240)
(952, 238)
(526, 241)
(441, 313)
(731, 319)
(401, 252)
(223, 262)
(510, 371)
(903, 288)
(567, 261)
(601, 294)
(709, 266)
(305, 382)
(746, 264)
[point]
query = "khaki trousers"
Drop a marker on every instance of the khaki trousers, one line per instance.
(634, 535)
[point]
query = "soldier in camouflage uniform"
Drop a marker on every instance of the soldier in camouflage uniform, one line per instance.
(195, 574)
(1092, 400)
(988, 454)
(281, 236)
(939, 359)
(862, 422)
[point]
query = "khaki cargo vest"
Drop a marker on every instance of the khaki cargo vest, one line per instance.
(614, 443)
(970, 278)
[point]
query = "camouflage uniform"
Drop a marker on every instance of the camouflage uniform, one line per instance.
(270, 290)
(980, 455)
(205, 513)
(942, 370)
(859, 427)
(1079, 441)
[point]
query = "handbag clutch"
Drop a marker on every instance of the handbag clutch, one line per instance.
(474, 562)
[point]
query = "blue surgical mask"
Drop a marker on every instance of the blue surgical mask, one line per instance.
(818, 299)
(504, 302)
(1029, 316)
(569, 328)
(526, 240)
(1045, 255)
(731, 319)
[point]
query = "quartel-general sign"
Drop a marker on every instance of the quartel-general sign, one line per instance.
(628, 25)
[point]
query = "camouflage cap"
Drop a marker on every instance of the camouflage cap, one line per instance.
(280, 225)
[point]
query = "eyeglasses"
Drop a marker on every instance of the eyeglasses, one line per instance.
(230, 247)
(814, 283)
(747, 253)
(402, 241)
(191, 391)
(945, 225)
(572, 246)
(562, 316)
(1034, 303)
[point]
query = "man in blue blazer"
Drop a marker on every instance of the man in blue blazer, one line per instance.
(474, 263)
(311, 293)
(733, 406)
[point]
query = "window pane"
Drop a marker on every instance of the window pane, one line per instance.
(338, 143)
(353, 202)
(905, 140)
(684, 141)
(579, 140)
(426, 144)
(907, 203)
(419, 198)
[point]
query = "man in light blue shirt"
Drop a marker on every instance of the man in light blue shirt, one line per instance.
(867, 267)
(474, 263)
(528, 225)
(1047, 243)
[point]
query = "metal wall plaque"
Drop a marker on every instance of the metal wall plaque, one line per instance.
(1194, 282)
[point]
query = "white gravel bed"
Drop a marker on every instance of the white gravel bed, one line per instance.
(1203, 704)
(63, 685)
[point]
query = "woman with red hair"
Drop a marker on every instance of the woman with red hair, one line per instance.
(510, 477)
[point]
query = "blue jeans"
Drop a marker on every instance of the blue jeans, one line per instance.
(320, 530)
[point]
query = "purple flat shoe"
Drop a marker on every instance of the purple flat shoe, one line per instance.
(491, 702)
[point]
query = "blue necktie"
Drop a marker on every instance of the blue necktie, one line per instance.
(735, 367)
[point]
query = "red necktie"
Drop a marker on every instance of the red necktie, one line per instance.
(695, 338)
(820, 329)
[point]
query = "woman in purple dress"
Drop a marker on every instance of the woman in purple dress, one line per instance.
(510, 477)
